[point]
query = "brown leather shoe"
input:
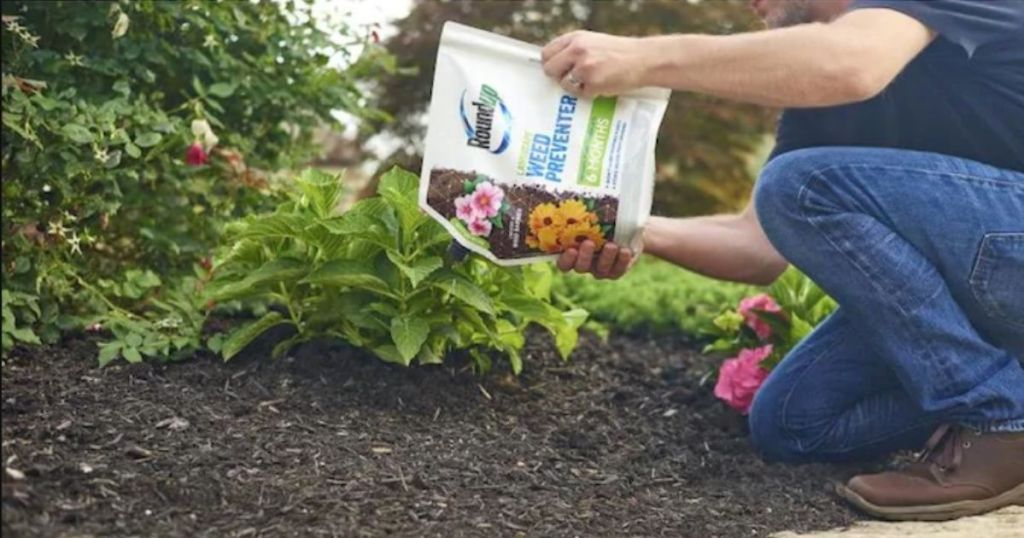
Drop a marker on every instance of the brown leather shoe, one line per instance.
(960, 473)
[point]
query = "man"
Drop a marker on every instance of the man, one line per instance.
(897, 184)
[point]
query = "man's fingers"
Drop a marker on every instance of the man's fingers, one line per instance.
(558, 66)
(606, 260)
(567, 260)
(622, 263)
(555, 46)
(586, 257)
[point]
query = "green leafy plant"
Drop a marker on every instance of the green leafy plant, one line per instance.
(376, 276)
(793, 306)
(104, 104)
(654, 296)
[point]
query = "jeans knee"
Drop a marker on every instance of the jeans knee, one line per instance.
(778, 190)
(772, 440)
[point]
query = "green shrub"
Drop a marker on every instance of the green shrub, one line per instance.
(377, 277)
(99, 105)
(654, 296)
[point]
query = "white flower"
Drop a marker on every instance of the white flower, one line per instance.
(76, 243)
(121, 26)
(57, 228)
(204, 133)
(210, 41)
(74, 59)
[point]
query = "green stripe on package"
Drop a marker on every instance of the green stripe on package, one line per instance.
(595, 144)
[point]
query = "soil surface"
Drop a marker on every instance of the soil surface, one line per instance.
(624, 440)
(509, 241)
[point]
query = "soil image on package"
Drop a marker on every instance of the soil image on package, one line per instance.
(515, 220)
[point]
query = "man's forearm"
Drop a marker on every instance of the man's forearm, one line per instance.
(808, 65)
(723, 247)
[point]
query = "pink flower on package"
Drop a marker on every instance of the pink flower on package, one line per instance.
(464, 209)
(481, 227)
(763, 303)
(740, 377)
(487, 199)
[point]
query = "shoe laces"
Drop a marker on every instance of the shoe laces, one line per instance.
(944, 451)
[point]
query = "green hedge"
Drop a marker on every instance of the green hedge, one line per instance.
(654, 296)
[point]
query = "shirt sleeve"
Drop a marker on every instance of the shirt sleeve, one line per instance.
(968, 23)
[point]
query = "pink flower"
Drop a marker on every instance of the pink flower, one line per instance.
(464, 209)
(481, 227)
(762, 303)
(740, 377)
(487, 199)
(196, 155)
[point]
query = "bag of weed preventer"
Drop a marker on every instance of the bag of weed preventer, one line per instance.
(517, 169)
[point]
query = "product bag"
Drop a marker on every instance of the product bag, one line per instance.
(517, 169)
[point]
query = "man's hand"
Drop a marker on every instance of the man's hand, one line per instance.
(590, 63)
(611, 262)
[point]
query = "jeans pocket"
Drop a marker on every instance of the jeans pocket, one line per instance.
(997, 279)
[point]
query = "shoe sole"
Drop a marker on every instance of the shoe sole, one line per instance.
(935, 512)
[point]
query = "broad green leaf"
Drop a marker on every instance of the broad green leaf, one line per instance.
(279, 270)
(77, 133)
(25, 334)
(538, 278)
(108, 352)
(132, 150)
(530, 307)
(322, 190)
(242, 336)
(348, 273)
(222, 89)
(148, 140)
(389, 353)
(131, 355)
(277, 225)
(409, 333)
(464, 290)
(567, 333)
(402, 182)
(418, 270)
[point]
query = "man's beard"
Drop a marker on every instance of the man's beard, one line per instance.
(790, 13)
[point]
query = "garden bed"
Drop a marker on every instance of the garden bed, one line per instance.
(622, 440)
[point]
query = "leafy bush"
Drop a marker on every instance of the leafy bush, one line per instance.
(376, 276)
(793, 307)
(101, 103)
(654, 296)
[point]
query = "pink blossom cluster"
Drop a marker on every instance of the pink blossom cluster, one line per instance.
(477, 208)
(740, 377)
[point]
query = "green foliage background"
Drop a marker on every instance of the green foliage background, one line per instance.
(100, 212)
(654, 296)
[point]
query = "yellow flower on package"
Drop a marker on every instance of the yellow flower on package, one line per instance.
(574, 212)
(545, 215)
(549, 239)
(574, 234)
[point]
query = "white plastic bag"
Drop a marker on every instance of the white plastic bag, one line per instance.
(517, 169)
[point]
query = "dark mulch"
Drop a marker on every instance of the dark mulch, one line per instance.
(621, 441)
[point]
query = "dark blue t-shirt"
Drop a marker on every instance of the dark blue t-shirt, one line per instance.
(962, 96)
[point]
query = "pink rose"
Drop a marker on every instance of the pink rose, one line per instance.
(464, 209)
(761, 303)
(486, 199)
(740, 377)
(196, 155)
(481, 227)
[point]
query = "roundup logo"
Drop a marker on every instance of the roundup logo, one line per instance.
(491, 128)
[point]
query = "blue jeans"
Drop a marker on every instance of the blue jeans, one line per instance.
(925, 255)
